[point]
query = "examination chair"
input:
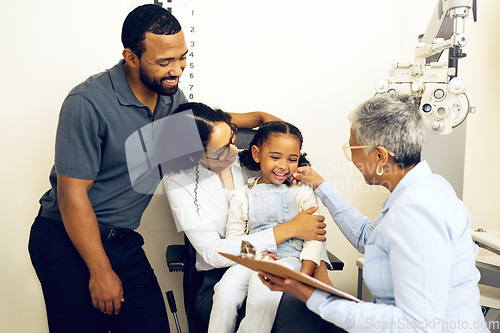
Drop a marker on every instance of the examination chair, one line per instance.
(182, 258)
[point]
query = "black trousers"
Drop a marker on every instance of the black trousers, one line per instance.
(293, 316)
(65, 283)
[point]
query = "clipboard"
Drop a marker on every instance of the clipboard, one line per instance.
(284, 272)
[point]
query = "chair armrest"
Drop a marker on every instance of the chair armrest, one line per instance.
(336, 263)
(175, 258)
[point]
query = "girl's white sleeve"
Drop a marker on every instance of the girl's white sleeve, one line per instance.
(312, 250)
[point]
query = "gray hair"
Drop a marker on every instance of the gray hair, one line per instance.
(393, 123)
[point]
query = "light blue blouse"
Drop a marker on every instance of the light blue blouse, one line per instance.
(419, 261)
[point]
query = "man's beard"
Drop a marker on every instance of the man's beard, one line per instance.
(156, 86)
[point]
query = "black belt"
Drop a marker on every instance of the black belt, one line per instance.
(50, 214)
(107, 232)
(112, 233)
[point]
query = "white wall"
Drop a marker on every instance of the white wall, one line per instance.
(309, 62)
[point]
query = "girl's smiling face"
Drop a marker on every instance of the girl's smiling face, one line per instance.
(278, 157)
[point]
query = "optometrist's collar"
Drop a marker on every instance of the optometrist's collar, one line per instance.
(421, 170)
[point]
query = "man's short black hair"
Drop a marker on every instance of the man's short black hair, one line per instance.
(143, 19)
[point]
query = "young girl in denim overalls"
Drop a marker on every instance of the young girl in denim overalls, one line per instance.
(265, 202)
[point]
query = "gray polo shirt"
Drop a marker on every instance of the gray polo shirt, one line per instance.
(96, 119)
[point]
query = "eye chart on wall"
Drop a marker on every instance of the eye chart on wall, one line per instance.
(185, 12)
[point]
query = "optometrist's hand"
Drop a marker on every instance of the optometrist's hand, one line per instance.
(107, 292)
(309, 176)
(288, 285)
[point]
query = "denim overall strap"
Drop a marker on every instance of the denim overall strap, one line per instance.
(270, 205)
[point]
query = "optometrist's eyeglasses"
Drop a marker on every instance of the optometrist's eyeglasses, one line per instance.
(348, 153)
(223, 152)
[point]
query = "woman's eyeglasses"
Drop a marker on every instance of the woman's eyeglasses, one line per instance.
(223, 152)
(348, 153)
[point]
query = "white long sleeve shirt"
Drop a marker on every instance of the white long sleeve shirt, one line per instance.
(200, 209)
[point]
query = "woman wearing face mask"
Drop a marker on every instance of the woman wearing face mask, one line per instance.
(199, 189)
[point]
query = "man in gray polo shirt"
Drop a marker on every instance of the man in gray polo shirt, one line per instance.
(94, 273)
(91, 190)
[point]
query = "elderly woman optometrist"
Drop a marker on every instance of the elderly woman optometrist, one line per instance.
(199, 189)
(419, 255)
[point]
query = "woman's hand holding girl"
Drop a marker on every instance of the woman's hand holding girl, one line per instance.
(304, 226)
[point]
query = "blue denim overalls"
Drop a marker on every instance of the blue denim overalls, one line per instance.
(270, 205)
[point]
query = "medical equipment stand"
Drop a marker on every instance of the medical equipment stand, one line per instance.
(173, 309)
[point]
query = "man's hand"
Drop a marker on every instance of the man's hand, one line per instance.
(81, 225)
(289, 285)
(107, 292)
(309, 176)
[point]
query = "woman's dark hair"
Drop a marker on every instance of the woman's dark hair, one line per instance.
(262, 135)
(391, 122)
(205, 118)
(143, 19)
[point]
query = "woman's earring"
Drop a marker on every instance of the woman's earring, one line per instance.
(380, 170)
